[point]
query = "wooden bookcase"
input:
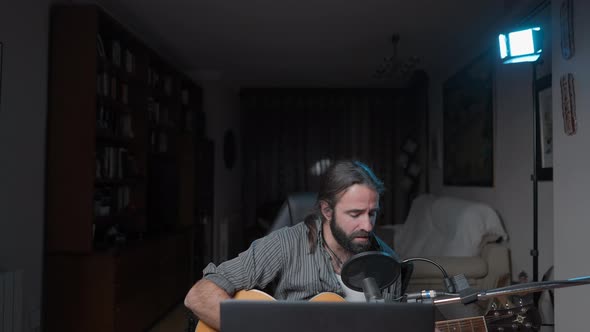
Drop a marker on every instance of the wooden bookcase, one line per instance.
(121, 183)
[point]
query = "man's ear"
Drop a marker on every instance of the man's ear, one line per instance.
(326, 210)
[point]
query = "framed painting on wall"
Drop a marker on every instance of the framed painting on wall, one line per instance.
(544, 129)
(468, 125)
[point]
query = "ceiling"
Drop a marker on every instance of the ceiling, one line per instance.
(305, 43)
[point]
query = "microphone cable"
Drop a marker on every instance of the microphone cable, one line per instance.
(447, 281)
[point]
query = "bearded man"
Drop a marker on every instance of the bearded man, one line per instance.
(299, 262)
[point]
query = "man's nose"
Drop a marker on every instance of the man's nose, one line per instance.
(367, 223)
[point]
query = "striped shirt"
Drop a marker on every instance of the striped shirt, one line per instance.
(283, 265)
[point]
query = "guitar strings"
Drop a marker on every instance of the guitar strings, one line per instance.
(463, 325)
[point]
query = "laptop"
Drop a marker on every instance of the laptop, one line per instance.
(299, 316)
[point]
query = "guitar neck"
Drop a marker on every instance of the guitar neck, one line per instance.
(474, 324)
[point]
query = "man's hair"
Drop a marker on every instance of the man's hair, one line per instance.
(334, 183)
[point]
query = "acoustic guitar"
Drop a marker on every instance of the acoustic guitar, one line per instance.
(256, 295)
(503, 316)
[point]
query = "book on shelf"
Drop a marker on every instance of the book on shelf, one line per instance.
(116, 53)
(124, 93)
(129, 61)
(114, 84)
(112, 200)
(168, 85)
(126, 126)
(100, 46)
(115, 163)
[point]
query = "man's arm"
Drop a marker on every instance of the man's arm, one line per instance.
(204, 300)
(254, 268)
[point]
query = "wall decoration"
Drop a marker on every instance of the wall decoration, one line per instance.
(568, 103)
(544, 129)
(566, 26)
(468, 142)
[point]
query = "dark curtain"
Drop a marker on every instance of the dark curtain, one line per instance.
(286, 131)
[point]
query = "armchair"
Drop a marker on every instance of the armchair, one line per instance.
(464, 237)
(294, 209)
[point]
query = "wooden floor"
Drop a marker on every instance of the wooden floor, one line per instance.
(175, 321)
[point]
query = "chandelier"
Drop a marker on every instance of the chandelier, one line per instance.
(395, 68)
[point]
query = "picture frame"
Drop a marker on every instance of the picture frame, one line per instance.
(544, 129)
(468, 124)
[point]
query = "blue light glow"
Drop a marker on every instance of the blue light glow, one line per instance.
(523, 58)
(520, 46)
(521, 42)
(503, 50)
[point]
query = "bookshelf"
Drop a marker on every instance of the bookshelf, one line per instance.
(121, 183)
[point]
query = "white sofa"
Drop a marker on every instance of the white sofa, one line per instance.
(464, 237)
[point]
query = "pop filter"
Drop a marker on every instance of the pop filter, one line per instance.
(370, 272)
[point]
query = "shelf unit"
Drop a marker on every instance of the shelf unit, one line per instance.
(121, 183)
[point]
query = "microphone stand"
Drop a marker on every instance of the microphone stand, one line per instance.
(514, 289)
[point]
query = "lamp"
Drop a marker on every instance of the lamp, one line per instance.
(521, 46)
(526, 46)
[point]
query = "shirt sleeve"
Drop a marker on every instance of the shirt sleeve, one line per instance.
(256, 267)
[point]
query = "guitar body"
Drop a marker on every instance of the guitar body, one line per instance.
(253, 295)
(256, 295)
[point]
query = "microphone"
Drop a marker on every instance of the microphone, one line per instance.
(371, 290)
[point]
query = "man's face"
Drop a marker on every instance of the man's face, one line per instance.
(353, 218)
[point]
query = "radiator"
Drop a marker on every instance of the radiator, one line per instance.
(11, 301)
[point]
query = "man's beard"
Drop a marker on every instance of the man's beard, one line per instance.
(345, 241)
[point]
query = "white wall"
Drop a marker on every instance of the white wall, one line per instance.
(512, 193)
(24, 32)
(572, 179)
(222, 111)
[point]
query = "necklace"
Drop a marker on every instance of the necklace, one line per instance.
(338, 260)
(333, 254)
